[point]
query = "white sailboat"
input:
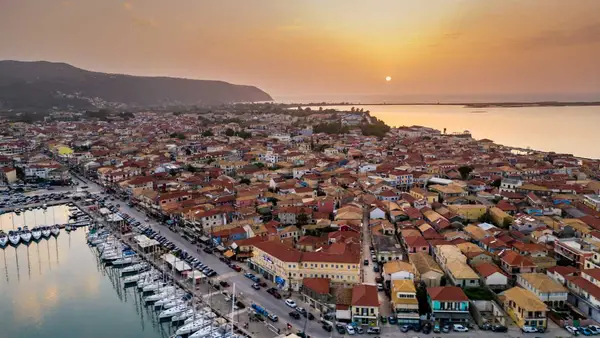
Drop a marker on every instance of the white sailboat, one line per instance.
(173, 311)
(138, 277)
(162, 297)
(14, 237)
(25, 235)
(36, 232)
(153, 287)
(182, 316)
(55, 230)
(3, 239)
(167, 299)
(193, 326)
(204, 332)
(46, 231)
(135, 268)
(125, 261)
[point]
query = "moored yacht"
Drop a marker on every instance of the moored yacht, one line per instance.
(3, 239)
(193, 326)
(125, 261)
(25, 234)
(173, 311)
(55, 230)
(13, 237)
(36, 232)
(135, 268)
(46, 231)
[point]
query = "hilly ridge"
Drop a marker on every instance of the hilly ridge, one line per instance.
(43, 85)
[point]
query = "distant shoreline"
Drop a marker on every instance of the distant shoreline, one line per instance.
(465, 104)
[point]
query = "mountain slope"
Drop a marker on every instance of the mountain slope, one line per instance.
(44, 85)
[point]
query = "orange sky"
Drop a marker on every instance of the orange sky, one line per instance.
(434, 50)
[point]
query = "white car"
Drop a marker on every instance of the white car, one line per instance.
(529, 329)
(350, 330)
(290, 303)
(459, 328)
(147, 219)
(571, 329)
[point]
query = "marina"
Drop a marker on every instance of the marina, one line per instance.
(112, 283)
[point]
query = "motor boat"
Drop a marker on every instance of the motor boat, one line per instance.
(193, 326)
(135, 268)
(3, 239)
(182, 316)
(13, 237)
(36, 232)
(173, 311)
(25, 235)
(125, 261)
(46, 231)
(55, 230)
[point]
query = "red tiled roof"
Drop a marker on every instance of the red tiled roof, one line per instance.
(447, 293)
(513, 258)
(563, 270)
(280, 251)
(365, 295)
(415, 241)
(318, 285)
(486, 269)
(592, 272)
(586, 285)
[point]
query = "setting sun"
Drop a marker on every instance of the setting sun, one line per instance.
(388, 78)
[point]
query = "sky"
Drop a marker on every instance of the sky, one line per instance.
(313, 50)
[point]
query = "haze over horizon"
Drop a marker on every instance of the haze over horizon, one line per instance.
(309, 50)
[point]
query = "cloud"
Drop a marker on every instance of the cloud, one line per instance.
(556, 38)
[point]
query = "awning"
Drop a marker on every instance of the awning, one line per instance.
(204, 239)
(195, 275)
(220, 248)
(175, 262)
(229, 254)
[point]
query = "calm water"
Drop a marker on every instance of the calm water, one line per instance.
(560, 129)
(57, 288)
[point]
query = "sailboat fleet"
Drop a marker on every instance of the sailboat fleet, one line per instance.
(171, 302)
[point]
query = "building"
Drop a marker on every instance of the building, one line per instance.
(525, 308)
(8, 175)
(513, 263)
(316, 293)
(427, 270)
(404, 301)
(545, 288)
(592, 201)
(365, 304)
(492, 275)
(288, 267)
(398, 270)
(387, 248)
(462, 275)
(470, 212)
(573, 250)
(448, 304)
(585, 292)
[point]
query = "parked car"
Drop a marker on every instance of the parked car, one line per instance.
(585, 331)
(340, 328)
(374, 330)
(446, 328)
(572, 330)
(224, 283)
(301, 310)
(274, 293)
(350, 330)
(236, 268)
(499, 328)
(460, 328)
(290, 303)
(529, 329)
(594, 328)
(379, 287)
(437, 328)
(427, 328)
(255, 286)
(295, 315)
(273, 317)
(327, 327)
(366, 262)
(405, 328)
(311, 316)
(392, 320)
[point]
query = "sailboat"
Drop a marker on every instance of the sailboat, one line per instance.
(36, 232)
(3, 239)
(25, 234)
(194, 326)
(46, 231)
(13, 237)
(55, 230)
(173, 311)
(135, 268)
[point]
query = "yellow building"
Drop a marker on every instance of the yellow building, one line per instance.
(285, 265)
(525, 308)
(498, 216)
(420, 194)
(404, 301)
(469, 211)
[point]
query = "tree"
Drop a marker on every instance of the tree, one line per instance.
(302, 219)
(506, 223)
(208, 133)
(229, 132)
(465, 171)
(496, 183)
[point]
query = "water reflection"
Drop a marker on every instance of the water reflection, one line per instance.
(66, 291)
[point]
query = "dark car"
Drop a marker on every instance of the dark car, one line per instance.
(392, 320)
(311, 316)
(427, 328)
(274, 293)
(224, 283)
(240, 305)
(499, 328)
(208, 250)
(341, 329)
(295, 315)
(263, 284)
(327, 327)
